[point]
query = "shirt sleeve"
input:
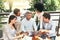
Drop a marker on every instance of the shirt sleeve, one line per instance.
(52, 28)
(41, 22)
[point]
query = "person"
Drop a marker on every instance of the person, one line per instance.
(28, 24)
(10, 29)
(39, 13)
(48, 27)
(17, 13)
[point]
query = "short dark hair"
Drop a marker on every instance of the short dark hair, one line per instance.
(16, 10)
(39, 7)
(47, 15)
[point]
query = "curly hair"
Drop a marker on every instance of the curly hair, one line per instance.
(39, 7)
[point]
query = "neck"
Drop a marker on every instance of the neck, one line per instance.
(28, 19)
(47, 22)
(10, 24)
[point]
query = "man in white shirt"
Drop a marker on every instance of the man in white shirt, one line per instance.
(28, 24)
(38, 16)
(17, 13)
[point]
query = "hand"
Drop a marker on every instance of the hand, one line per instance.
(47, 31)
(26, 33)
(42, 30)
(21, 32)
(17, 33)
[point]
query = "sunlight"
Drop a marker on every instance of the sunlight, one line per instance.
(21, 4)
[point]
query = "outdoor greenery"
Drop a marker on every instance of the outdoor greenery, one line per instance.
(32, 4)
(49, 5)
(2, 5)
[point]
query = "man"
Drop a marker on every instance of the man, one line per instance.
(16, 13)
(38, 16)
(28, 24)
(48, 27)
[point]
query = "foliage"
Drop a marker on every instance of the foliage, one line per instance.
(49, 5)
(58, 4)
(1, 5)
(32, 4)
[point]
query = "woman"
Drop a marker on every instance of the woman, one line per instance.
(17, 13)
(10, 29)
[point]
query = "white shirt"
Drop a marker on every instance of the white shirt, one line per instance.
(40, 17)
(28, 25)
(18, 17)
(8, 33)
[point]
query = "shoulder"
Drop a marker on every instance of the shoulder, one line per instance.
(42, 13)
(32, 19)
(6, 26)
(52, 23)
(24, 19)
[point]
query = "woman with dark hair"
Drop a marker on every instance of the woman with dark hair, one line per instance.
(10, 29)
(16, 12)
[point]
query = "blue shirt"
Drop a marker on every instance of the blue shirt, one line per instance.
(28, 25)
(51, 27)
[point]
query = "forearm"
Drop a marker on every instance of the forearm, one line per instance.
(16, 37)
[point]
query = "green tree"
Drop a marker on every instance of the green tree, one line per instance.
(58, 4)
(10, 4)
(1, 6)
(49, 5)
(32, 4)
